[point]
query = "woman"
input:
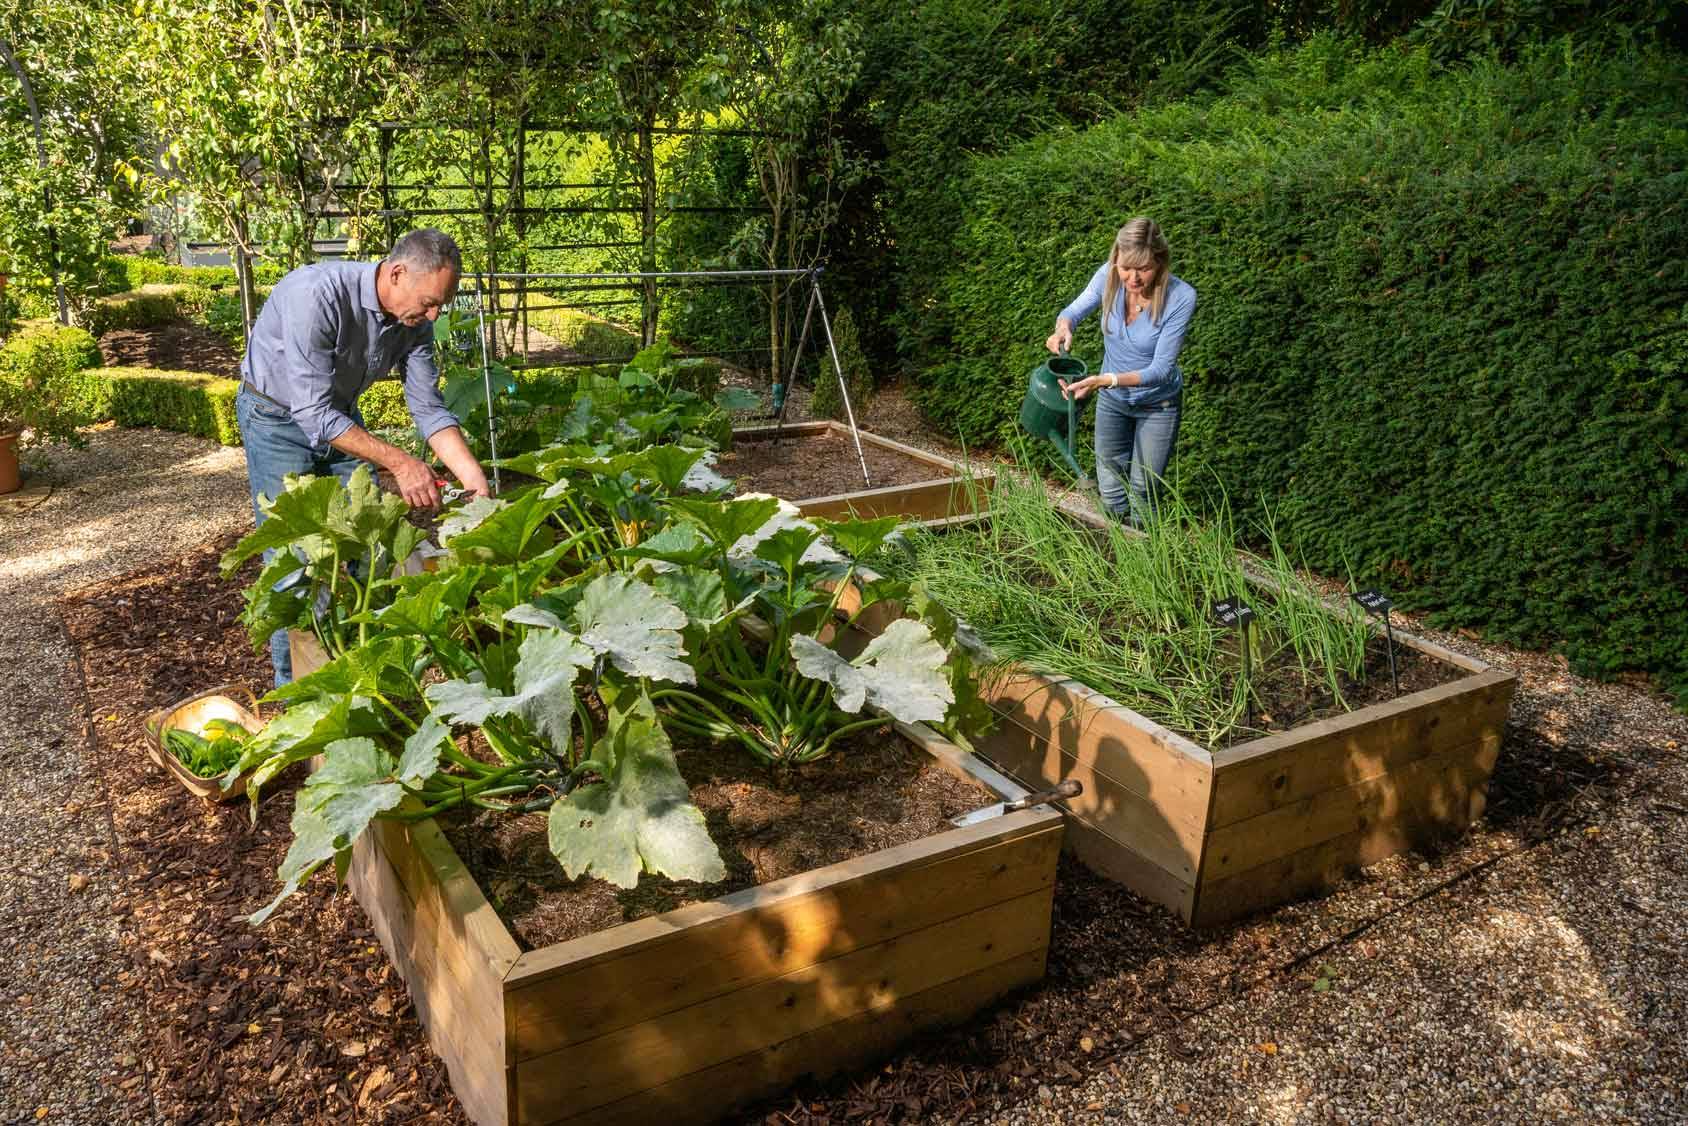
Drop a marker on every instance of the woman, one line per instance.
(1145, 312)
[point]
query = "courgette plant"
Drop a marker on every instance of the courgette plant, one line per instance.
(566, 629)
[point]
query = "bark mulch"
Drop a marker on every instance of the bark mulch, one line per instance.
(171, 346)
(807, 466)
(302, 1020)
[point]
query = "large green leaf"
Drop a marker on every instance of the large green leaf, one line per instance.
(333, 809)
(511, 534)
(726, 522)
(640, 818)
(680, 544)
(636, 626)
(299, 512)
(428, 601)
(549, 662)
(783, 517)
(859, 539)
(312, 847)
(277, 599)
(900, 672)
(382, 665)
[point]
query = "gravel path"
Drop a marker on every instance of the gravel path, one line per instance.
(70, 1037)
(1537, 971)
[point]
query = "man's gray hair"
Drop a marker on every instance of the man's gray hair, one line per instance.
(427, 251)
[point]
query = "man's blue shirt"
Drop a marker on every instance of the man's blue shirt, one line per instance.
(321, 340)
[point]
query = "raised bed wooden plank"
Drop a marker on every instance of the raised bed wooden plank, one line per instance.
(450, 976)
(705, 1095)
(1435, 787)
(926, 500)
(968, 900)
(1421, 819)
(1166, 829)
(1121, 862)
(1257, 777)
(746, 1021)
(766, 933)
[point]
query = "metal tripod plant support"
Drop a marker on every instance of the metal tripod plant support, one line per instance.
(816, 301)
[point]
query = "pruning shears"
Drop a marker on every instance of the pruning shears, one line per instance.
(448, 491)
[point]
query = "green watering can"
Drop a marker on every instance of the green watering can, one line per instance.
(1046, 413)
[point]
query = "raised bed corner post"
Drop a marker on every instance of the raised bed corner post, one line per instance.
(486, 382)
(838, 370)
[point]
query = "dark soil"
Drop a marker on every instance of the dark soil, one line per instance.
(801, 468)
(1286, 702)
(172, 346)
(871, 794)
(302, 1020)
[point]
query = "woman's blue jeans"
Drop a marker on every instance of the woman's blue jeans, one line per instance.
(275, 447)
(1133, 447)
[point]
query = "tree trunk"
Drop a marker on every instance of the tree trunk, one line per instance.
(46, 193)
(647, 233)
(243, 274)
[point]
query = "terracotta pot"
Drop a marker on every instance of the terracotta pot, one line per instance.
(9, 476)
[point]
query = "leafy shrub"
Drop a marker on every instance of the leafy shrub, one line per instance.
(37, 366)
(1442, 325)
(127, 272)
(858, 375)
(948, 79)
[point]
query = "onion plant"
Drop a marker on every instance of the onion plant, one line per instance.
(1129, 613)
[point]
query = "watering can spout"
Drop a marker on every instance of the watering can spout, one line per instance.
(1048, 412)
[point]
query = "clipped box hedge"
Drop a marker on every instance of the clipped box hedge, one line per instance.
(186, 402)
(1442, 329)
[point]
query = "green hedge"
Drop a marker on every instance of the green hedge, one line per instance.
(183, 401)
(125, 272)
(1442, 330)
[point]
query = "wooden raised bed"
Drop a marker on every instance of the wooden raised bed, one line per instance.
(951, 489)
(1218, 835)
(683, 1016)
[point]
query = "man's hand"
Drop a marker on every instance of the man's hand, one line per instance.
(449, 445)
(415, 481)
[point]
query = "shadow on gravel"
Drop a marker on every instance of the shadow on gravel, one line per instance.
(1536, 781)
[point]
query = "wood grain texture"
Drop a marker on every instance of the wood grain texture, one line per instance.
(600, 983)
(713, 1092)
(454, 981)
(1266, 774)
(750, 1019)
(923, 500)
(1433, 789)
(1436, 805)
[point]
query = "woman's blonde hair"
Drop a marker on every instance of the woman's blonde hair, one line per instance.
(1139, 243)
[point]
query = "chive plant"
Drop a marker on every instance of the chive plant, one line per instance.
(1128, 613)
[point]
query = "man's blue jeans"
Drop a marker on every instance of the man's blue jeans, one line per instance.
(1133, 446)
(275, 447)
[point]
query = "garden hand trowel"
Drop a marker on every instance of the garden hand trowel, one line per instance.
(1071, 788)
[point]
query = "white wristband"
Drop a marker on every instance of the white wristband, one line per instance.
(1113, 379)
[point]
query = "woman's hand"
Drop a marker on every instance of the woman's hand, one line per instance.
(1082, 387)
(1061, 339)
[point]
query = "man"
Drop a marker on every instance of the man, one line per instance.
(326, 333)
